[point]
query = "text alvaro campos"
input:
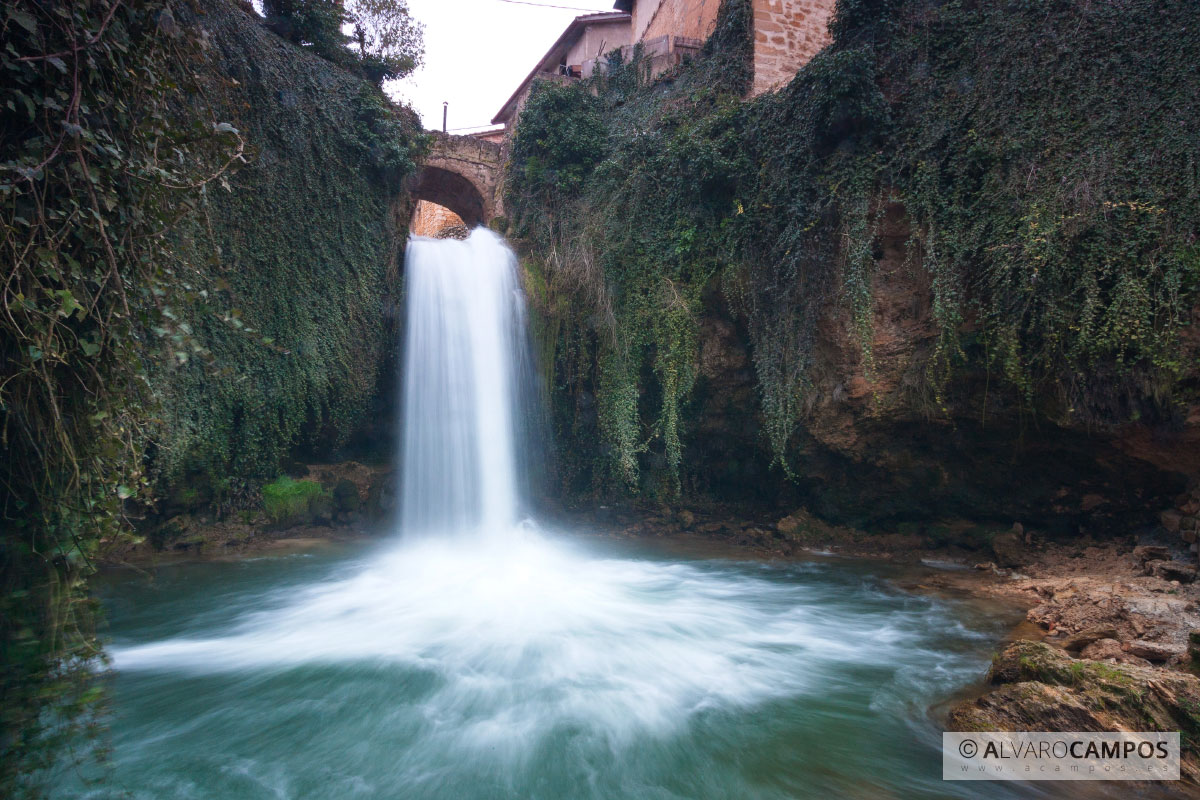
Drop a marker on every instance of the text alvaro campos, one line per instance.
(1075, 756)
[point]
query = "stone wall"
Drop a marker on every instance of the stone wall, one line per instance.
(692, 18)
(461, 173)
(430, 219)
(787, 34)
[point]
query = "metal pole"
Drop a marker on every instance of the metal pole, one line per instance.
(445, 110)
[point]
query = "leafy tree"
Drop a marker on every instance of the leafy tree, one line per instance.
(389, 41)
(384, 41)
(316, 24)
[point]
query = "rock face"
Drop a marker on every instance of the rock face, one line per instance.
(872, 448)
(1039, 688)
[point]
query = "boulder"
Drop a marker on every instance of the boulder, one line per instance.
(1008, 548)
(1111, 650)
(686, 519)
(1171, 570)
(1170, 520)
(321, 508)
(1078, 641)
(1035, 687)
(789, 525)
(1150, 552)
(1154, 651)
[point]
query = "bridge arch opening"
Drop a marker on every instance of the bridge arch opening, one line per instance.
(430, 219)
(451, 190)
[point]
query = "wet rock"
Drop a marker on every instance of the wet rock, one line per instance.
(1008, 548)
(1040, 688)
(381, 497)
(1078, 641)
(686, 519)
(789, 525)
(1154, 651)
(1170, 520)
(1171, 571)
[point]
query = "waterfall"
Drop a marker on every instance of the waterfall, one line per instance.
(466, 375)
(510, 661)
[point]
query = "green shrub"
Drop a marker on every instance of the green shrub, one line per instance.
(288, 500)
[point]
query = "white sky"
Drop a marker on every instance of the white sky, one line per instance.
(477, 52)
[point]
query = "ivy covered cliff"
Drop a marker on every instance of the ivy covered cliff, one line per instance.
(950, 270)
(302, 246)
(200, 223)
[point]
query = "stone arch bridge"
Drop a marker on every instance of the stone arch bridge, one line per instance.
(463, 174)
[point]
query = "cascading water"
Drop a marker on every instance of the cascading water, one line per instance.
(466, 368)
(477, 658)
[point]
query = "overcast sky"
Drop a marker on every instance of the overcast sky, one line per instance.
(478, 51)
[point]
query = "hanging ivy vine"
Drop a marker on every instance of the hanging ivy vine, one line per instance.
(1044, 152)
(104, 155)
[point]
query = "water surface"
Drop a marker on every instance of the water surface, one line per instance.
(534, 668)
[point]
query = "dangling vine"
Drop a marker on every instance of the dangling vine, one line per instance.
(1059, 247)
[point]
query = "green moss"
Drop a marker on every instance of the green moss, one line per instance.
(288, 500)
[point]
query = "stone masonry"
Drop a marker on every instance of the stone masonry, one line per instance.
(430, 219)
(787, 34)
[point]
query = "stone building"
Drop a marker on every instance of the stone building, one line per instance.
(787, 33)
(587, 39)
